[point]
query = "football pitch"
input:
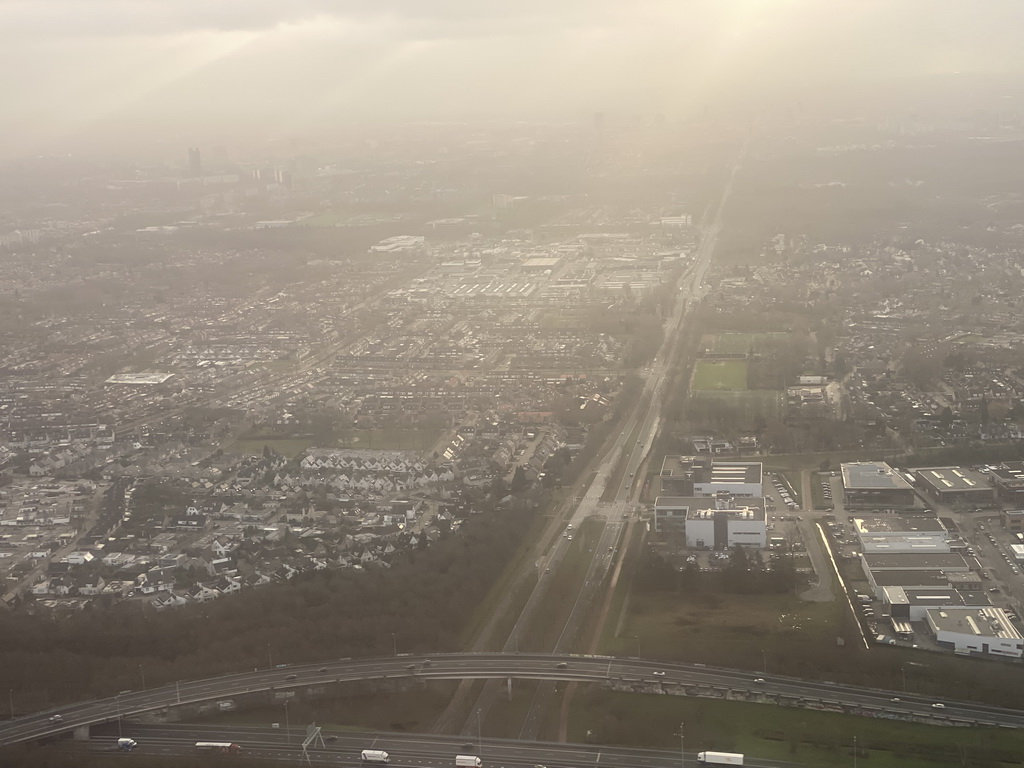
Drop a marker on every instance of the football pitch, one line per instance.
(720, 375)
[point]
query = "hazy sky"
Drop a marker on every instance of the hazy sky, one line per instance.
(210, 68)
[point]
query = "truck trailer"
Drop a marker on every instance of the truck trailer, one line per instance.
(375, 756)
(720, 758)
(468, 761)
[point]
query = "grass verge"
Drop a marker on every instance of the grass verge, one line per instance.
(805, 737)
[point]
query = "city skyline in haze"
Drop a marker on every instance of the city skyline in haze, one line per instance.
(205, 72)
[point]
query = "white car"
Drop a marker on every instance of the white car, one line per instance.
(659, 673)
(937, 705)
(759, 680)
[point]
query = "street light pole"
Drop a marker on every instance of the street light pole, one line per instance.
(764, 662)
(117, 701)
(177, 690)
(12, 703)
(270, 656)
(143, 673)
(637, 638)
(682, 749)
(479, 734)
(287, 724)
(394, 643)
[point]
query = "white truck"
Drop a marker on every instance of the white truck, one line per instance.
(126, 745)
(375, 756)
(720, 758)
(468, 761)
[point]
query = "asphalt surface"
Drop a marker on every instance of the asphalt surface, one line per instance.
(634, 672)
(404, 750)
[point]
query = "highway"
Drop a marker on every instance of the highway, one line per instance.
(628, 454)
(426, 750)
(638, 673)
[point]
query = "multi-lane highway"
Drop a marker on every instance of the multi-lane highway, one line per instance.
(636, 672)
(407, 750)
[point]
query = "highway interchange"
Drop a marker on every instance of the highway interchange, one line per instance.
(627, 672)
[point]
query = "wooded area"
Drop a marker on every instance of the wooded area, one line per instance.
(424, 599)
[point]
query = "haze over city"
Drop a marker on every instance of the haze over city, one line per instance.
(110, 73)
(511, 385)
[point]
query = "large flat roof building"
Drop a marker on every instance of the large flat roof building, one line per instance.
(976, 630)
(956, 485)
(670, 512)
(916, 562)
(875, 484)
(911, 603)
(1008, 479)
(723, 527)
(899, 534)
(704, 476)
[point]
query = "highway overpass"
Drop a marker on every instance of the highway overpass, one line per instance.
(625, 673)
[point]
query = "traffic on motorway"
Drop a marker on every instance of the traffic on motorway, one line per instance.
(400, 749)
(622, 672)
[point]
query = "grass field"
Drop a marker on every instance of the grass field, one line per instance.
(776, 632)
(718, 375)
(412, 710)
(801, 736)
(744, 408)
(742, 343)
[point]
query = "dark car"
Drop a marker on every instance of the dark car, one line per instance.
(291, 677)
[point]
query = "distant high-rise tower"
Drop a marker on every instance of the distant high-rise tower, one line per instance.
(195, 163)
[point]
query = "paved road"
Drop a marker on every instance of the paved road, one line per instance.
(404, 750)
(484, 666)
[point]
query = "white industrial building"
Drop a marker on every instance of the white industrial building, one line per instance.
(976, 630)
(690, 476)
(913, 603)
(897, 534)
(726, 525)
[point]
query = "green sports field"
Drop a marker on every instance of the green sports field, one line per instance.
(720, 375)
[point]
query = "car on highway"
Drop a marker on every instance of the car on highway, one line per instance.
(561, 665)
(937, 705)
(330, 738)
(322, 669)
(568, 538)
(57, 718)
(291, 677)
(659, 673)
(410, 666)
(759, 680)
(895, 699)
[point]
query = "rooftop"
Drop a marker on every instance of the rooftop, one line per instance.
(916, 561)
(982, 622)
(139, 379)
(872, 475)
(952, 479)
(898, 524)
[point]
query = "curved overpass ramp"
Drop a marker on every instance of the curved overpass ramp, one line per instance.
(671, 678)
